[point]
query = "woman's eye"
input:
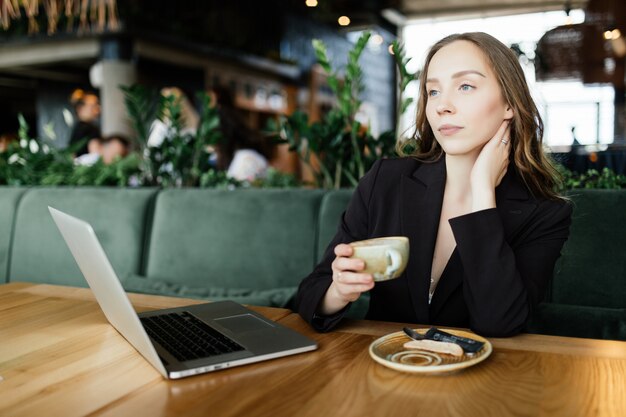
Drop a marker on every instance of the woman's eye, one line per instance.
(432, 93)
(466, 87)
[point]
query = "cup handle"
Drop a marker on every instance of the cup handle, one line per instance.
(394, 260)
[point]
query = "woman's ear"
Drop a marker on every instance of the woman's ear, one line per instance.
(508, 112)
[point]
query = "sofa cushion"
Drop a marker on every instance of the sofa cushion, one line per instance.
(117, 215)
(275, 297)
(9, 199)
(579, 321)
(333, 205)
(592, 270)
(256, 239)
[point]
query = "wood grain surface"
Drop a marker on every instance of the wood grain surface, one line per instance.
(60, 357)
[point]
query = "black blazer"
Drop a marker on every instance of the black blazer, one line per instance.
(498, 272)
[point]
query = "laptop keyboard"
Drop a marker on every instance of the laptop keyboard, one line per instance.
(186, 337)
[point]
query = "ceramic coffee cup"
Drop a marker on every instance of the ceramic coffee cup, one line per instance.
(385, 257)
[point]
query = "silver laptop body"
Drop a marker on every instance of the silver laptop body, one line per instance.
(257, 337)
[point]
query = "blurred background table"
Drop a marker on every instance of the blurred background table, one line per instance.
(582, 158)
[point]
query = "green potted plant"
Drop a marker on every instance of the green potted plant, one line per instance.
(30, 161)
(338, 148)
(182, 157)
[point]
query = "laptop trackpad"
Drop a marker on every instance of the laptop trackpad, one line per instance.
(242, 323)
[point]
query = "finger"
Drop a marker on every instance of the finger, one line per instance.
(503, 171)
(352, 291)
(343, 249)
(501, 132)
(502, 129)
(353, 278)
(506, 136)
(496, 139)
(348, 264)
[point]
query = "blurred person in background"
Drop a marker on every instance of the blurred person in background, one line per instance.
(93, 155)
(87, 108)
(107, 149)
(190, 118)
(5, 140)
(114, 147)
(242, 153)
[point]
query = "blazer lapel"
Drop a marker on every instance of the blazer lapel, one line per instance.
(422, 197)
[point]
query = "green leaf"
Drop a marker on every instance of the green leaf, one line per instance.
(405, 104)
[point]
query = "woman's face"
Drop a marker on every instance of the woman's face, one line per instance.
(464, 104)
(90, 110)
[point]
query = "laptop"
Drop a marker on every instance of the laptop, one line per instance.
(180, 341)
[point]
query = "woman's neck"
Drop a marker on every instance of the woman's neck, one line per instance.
(458, 173)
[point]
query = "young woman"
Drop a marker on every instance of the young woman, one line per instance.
(477, 201)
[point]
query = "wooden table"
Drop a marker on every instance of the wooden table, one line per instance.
(60, 357)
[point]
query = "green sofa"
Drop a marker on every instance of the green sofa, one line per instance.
(587, 297)
(255, 245)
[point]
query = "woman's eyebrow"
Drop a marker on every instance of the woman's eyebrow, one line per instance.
(457, 75)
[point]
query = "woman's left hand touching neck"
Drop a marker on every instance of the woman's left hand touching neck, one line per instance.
(489, 169)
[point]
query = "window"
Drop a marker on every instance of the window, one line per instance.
(563, 104)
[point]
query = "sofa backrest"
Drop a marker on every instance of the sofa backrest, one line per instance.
(9, 199)
(333, 205)
(245, 238)
(258, 239)
(592, 270)
(118, 217)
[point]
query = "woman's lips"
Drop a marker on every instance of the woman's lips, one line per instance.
(448, 130)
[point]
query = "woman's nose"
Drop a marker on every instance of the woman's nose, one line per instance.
(445, 105)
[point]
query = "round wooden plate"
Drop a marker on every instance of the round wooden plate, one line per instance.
(389, 351)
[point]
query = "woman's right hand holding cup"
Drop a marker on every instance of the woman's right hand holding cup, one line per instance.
(348, 283)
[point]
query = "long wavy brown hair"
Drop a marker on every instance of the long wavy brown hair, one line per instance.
(533, 166)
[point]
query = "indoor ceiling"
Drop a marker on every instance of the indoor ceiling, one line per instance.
(421, 9)
(401, 12)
